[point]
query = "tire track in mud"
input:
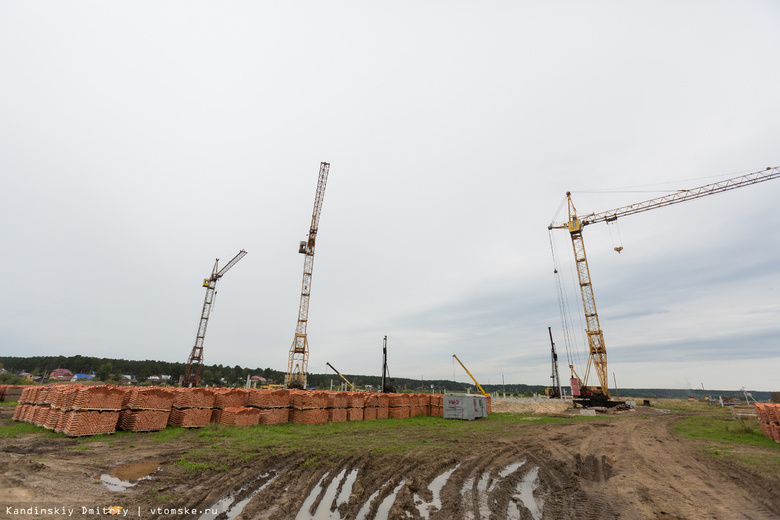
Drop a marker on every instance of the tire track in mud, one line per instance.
(627, 467)
(416, 489)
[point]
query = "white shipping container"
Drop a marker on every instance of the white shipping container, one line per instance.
(464, 406)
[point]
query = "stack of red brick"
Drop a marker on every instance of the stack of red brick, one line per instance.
(769, 419)
(88, 410)
(11, 393)
(192, 407)
(274, 405)
(75, 410)
(308, 407)
(230, 408)
(146, 409)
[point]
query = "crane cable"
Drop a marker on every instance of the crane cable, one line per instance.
(573, 355)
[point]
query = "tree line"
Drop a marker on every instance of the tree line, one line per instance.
(110, 370)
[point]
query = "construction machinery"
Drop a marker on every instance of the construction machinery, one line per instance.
(341, 376)
(195, 362)
(597, 356)
(472, 377)
(386, 387)
(554, 391)
(299, 351)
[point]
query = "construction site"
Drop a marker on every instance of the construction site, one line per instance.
(187, 451)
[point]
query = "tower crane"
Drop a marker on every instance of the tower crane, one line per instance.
(597, 351)
(299, 351)
(195, 362)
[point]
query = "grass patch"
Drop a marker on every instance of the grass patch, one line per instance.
(727, 438)
(20, 428)
(191, 466)
(319, 442)
(723, 429)
(171, 433)
(9, 403)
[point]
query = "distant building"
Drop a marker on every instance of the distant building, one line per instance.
(81, 377)
(128, 379)
(159, 378)
(61, 374)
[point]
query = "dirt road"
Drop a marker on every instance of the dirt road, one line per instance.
(623, 467)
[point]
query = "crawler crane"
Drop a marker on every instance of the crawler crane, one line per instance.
(299, 351)
(195, 362)
(597, 357)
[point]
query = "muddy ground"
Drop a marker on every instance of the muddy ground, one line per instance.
(628, 466)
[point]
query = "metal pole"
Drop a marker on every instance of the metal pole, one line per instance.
(384, 365)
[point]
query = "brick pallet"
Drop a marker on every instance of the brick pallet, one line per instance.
(237, 416)
(99, 397)
(308, 400)
(337, 414)
(336, 399)
(149, 398)
(269, 398)
(769, 419)
(78, 423)
(53, 418)
(189, 417)
(273, 416)
(148, 420)
(309, 416)
(230, 398)
(192, 407)
(194, 398)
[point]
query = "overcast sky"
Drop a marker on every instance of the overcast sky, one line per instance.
(139, 141)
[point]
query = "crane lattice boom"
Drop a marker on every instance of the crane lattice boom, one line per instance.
(299, 351)
(597, 357)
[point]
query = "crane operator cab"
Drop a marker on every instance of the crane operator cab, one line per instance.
(575, 225)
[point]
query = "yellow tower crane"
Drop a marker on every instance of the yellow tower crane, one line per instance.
(194, 367)
(299, 351)
(597, 357)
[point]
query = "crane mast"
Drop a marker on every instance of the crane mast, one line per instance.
(195, 362)
(299, 351)
(597, 358)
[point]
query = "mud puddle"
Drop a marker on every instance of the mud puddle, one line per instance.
(124, 476)
(228, 504)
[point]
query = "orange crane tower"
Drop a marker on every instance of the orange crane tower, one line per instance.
(597, 357)
(299, 351)
(195, 362)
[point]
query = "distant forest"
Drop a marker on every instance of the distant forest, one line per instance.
(107, 369)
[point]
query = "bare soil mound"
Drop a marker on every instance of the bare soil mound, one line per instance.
(549, 407)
